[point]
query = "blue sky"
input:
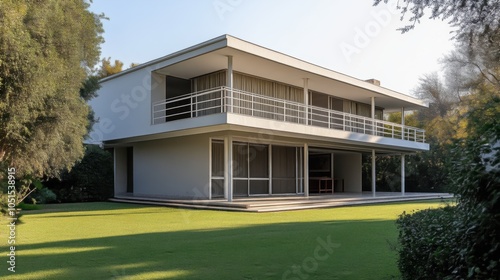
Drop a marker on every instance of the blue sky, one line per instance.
(351, 37)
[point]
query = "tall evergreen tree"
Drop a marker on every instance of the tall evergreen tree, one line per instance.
(47, 49)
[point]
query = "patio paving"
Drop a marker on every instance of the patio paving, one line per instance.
(282, 203)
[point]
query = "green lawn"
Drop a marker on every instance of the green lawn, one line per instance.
(121, 241)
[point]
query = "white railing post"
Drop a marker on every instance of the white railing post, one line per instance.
(343, 121)
(222, 101)
(329, 117)
(196, 105)
(284, 111)
(253, 100)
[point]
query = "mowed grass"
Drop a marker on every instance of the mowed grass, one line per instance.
(123, 241)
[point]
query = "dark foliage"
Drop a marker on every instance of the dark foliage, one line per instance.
(427, 240)
(424, 171)
(461, 242)
(472, 18)
(90, 180)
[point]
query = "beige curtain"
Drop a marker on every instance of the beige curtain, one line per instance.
(364, 110)
(267, 87)
(212, 80)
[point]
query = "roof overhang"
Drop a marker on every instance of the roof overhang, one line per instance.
(252, 59)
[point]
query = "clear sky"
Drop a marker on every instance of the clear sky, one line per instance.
(351, 37)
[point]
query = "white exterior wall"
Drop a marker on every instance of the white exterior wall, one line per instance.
(123, 106)
(348, 167)
(174, 167)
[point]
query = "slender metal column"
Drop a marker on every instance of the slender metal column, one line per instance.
(403, 183)
(306, 170)
(373, 115)
(374, 179)
(229, 82)
(230, 168)
(306, 100)
(403, 123)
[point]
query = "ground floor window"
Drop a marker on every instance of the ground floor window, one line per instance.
(287, 170)
(217, 172)
(258, 169)
(250, 169)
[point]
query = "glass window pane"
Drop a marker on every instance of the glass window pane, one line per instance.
(259, 162)
(240, 187)
(259, 187)
(284, 159)
(284, 186)
(217, 158)
(284, 169)
(240, 160)
(217, 187)
(319, 100)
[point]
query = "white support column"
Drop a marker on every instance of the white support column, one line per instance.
(228, 168)
(373, 107)
(270, 162)
(306, 100)
(374, 179)
(306, 170)
(210, 169)
(229, 81)
(403, 123)
(403, 183)
(373, 115)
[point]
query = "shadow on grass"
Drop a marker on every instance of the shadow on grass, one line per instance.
(353, 250)
(82, 207)
(443, 201)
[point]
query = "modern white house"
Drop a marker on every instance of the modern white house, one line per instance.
(227, 118)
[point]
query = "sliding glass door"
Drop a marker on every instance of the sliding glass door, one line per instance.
(217, 181)
(258, 169)
(287, 170)
(250, 169)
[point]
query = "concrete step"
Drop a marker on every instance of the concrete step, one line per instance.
(274, 205)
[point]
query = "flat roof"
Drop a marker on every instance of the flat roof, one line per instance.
(211, 56)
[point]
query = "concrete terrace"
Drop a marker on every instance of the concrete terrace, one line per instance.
(282, 203)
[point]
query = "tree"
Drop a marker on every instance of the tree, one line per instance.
(107, 69)
(47, 49)
(461, 242)
(471, 18)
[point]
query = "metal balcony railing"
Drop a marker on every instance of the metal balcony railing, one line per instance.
(224, 99)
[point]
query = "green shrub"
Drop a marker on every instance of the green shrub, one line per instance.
(43, 196)
(461, 242)
(25, 206)
(90, 180)
(427, 239)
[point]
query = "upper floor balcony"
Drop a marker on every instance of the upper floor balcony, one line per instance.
(229, 100)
